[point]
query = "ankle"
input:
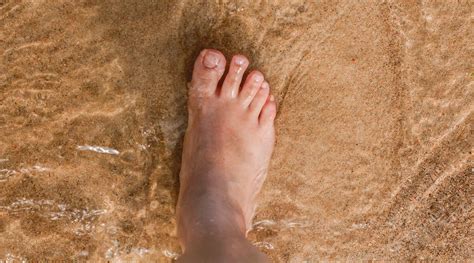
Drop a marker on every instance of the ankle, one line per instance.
(221, 248)
(208, 214)
(216, 237)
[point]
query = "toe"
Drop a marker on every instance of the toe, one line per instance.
(231, 85)
(260, 99)
(208, 69)
(252, 85)
(267, 116)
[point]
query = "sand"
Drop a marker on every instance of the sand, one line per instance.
(375, 126)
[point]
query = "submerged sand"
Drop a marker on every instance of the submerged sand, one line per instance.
(375, 126)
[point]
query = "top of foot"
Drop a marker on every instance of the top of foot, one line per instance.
(230, 135)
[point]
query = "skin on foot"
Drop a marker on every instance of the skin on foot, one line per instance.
(227, 148)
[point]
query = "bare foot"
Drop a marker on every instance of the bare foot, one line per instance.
(227, 149)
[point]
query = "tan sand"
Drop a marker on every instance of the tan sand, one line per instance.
(375, 126)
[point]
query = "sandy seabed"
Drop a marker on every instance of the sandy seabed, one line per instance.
(375, 126)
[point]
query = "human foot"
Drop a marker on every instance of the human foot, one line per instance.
(227, 148)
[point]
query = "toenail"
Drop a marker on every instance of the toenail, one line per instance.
(239, 61)
(258, 78)
(211, 59)
(265, 85)
(272, 98)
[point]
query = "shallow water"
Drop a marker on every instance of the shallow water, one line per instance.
(374, 152)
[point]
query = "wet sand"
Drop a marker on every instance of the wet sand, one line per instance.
(375, 126)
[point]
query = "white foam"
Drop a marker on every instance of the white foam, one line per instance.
(265, 223)
(295, 223)
(98, 149)
(140, 251)
(10, 258)
(6, 173)
(282, 224)
(264, 244)
(170, 254)
(113, 251)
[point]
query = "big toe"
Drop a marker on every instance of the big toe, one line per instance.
(208, 70)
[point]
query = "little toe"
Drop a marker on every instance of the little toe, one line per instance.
(260, 99)
(252, 85)
(231, 85)
(208, 70)
(268, 113)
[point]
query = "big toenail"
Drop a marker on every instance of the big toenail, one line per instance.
(211, 59)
